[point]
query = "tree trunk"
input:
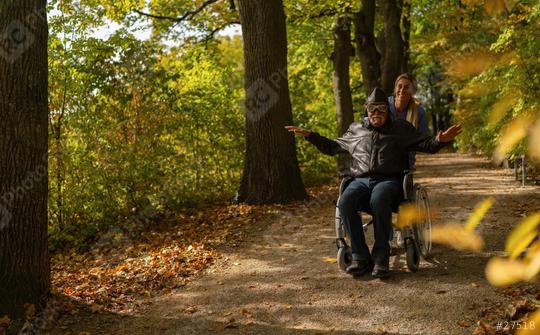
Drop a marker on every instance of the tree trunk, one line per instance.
(24, 259)
(341, 80)
(406, 25)
(271, 173)
(394, 48)
(364, 22)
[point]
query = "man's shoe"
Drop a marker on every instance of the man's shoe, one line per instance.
(359, 267)
(381, 271)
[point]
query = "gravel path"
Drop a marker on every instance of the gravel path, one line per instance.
(283, 282)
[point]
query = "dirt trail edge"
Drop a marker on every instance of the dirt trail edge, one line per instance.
(283, 282)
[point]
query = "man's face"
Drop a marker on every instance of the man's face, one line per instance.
(377, 114)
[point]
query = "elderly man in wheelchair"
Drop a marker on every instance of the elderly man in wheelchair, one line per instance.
(379, 147)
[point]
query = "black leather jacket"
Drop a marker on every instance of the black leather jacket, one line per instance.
(378, 152)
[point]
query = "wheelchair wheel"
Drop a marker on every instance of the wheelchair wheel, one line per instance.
(413, 258)
(422, 230)
(344, 257)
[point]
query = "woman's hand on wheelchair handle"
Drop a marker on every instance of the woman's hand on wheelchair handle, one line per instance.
(298, 131)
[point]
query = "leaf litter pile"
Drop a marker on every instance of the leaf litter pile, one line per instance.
(119, 274)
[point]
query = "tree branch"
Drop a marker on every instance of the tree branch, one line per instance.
(216, 30)
(188, 15)
(323, 13)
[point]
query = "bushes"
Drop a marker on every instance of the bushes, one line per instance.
(153, 130)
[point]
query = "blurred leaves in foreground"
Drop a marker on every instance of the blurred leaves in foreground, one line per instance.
(455, 236)
(523, 261)
(478, 213)
(408, 215)
(463, 237)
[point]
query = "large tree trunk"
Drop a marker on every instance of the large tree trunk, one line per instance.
(341, 80)
(364, 22)
(271, 172)
(24, 259)
(394, 48)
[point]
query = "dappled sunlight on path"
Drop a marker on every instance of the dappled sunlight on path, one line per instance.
(283, 280)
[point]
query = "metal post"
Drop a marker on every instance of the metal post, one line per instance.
(515, 168)
(523, 170)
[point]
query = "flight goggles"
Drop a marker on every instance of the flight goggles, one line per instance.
(380, 107)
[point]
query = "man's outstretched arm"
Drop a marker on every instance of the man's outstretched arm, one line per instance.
(324, 144)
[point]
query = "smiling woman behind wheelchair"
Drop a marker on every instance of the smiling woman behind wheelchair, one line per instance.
(379, 148)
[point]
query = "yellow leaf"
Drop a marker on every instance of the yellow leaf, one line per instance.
(501, 107)
(533, 320)
(522, 244)
(408, 215)
(330, 260)
(534, 248)
(533, 266)
(455, 236)
(470, 65)
(494, 7)
(475, 89)
(534, 141)
(503, 272)
(479, 212)
(511, 136)
(521, 232)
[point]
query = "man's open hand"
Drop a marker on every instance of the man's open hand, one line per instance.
(298, 131)
(449, 134)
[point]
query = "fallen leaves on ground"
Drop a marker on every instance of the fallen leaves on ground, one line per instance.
(166, 255)
(464, 324)
(155, 262)
(508, 317)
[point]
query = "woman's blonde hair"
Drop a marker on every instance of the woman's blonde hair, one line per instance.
(412, 108)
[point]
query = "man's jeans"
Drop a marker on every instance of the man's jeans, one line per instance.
(379, 197)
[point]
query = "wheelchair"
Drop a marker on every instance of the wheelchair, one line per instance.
(417, 238)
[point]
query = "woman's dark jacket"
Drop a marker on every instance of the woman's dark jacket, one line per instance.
(378, 152)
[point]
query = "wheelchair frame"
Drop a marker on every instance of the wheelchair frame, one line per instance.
(417, 238)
